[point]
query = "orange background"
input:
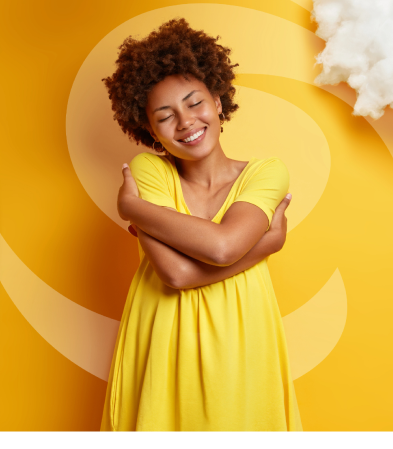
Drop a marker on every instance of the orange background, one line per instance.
(52, 225)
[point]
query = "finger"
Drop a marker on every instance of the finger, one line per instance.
(283, 205)
(286, 200)
(126, 170)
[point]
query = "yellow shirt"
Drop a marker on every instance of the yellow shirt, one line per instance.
(212, 358)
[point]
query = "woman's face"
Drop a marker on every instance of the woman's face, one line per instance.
(178, 109)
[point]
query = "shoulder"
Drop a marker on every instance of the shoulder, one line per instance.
(148, 161)
(269, 161)
(146, 157)
(269, 174)
(272, 165)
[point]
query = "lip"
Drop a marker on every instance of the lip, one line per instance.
(191, 133)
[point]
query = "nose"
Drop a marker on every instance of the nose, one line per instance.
(186, 119)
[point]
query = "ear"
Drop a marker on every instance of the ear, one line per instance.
(150, 130)
(217, 100)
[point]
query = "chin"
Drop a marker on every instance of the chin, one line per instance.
(195, 153)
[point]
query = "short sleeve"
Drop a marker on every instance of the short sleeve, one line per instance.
(267, 186)
(151, 177)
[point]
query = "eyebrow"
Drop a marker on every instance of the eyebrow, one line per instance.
(184, 99)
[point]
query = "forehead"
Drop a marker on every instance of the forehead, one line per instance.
(172, 88)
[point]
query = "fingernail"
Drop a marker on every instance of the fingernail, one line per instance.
(124, 165)
(288, 195)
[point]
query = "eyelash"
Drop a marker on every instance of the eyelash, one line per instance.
(163, 120)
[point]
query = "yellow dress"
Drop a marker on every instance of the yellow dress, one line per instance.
(212, 358)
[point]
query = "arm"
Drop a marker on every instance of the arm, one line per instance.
(215, 244)
(180, 271)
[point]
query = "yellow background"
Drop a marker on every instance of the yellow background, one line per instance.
(57, 226)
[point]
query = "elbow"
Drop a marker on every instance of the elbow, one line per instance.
(223, 255)
(175, 284)
(175, 279)
(222, 260)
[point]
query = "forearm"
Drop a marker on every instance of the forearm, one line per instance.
(177, 270)
(198, 238)
(197, 274)
(167, 262)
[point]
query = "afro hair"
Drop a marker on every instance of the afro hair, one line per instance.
(174, 49)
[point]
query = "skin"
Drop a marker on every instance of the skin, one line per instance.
(190, 251)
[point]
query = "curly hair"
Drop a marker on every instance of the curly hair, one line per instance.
(174, 49)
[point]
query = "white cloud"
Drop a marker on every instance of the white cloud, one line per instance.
(359, 50)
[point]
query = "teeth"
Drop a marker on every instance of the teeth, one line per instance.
(194, 136)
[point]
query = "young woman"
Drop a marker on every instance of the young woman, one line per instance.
(201, 344)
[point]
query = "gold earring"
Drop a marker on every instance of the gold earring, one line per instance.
(166, 152)
(222, 115)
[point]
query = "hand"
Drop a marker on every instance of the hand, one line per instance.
(128, 189)
(278, 224)
(132, 229)
(129, 186)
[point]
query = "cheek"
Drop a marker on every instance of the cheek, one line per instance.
(164, 130)
(210, 116)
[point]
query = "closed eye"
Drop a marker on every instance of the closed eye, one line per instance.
(196, 104)
(162, 120)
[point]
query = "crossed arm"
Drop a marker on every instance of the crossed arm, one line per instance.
(220, 244)
(179, 271)
(188, 252)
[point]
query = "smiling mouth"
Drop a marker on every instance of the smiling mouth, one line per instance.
(197, 136)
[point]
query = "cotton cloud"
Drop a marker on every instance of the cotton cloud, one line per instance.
(359, 50)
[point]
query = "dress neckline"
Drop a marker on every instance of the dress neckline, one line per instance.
(226, 199)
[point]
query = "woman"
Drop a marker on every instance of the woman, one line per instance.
(201, 344)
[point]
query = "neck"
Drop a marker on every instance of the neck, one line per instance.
(211, 170)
